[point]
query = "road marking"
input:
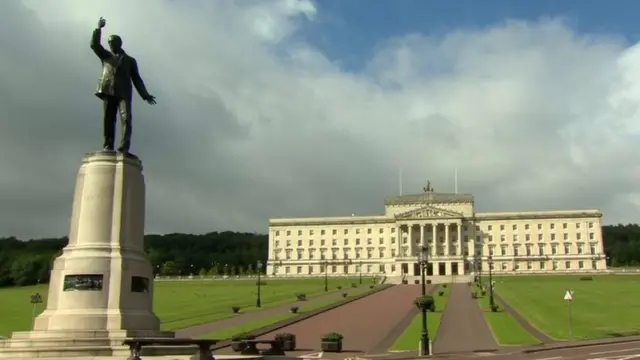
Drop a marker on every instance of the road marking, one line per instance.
(315, 355)
(550, 358)
(618, 357)
(613, 351)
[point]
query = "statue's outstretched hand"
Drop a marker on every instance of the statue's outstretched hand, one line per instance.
(102, 23)
(151, 100)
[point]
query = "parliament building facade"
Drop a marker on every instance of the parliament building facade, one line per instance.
(458, 240)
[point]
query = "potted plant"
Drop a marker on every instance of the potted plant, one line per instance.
(425, 303)
(288, 341)
(238, 341)
(441, 293)
(294, 309)
(332, 342)
(354, 285)
(235, 309)
(371, 286)
(344, 294)
(339, 287)
(301, 296)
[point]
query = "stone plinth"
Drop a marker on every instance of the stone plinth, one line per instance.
(101, 287)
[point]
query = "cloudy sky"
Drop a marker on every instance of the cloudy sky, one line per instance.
(292, 108)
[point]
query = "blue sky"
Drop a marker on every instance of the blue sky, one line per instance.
(348, 31)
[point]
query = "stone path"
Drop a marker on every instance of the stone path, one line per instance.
(393, 335)
(462, 326)
(364, 323)
(243, 318)
(543, 338)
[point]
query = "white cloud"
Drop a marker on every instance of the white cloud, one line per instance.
(253, 123)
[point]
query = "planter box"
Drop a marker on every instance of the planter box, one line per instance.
(331, 346)
(289, 345)
(238, 346)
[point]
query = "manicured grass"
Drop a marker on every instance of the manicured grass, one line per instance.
(607, 306)
(504, 327)
(250, 326)
(409, 339)
(180, 304)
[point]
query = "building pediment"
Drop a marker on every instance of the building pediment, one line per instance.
(428, 212)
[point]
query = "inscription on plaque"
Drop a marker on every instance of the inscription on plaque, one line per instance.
(84, 282)
(139, 284)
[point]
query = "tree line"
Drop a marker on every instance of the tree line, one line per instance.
(217, 253)
(30, 262)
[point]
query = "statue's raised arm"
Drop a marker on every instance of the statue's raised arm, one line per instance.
(96, 46)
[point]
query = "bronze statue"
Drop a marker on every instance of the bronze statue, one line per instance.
(119, 70)
(428, 188)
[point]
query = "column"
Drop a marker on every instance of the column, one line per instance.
(398, 239)
(422, 235)
(410, 236)
(435, 238)
(446, 239)
(460, 242)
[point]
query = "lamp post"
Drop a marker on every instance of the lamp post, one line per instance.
(360, 268)
(259, 267)
(326, 278)
(491, 303)
(424, 335)
(35, 300)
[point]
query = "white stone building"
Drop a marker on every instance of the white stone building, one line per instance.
(459, 240)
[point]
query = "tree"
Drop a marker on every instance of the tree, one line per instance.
(168, 268)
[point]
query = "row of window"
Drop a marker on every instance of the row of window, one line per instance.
(371, 269)
(505, 250)
(453, 239)
(380, 230)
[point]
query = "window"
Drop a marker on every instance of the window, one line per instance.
(578, 236)
(541, 250)
(346, 231)
(381, 268)
(321, 232)
(369, 231)
(567, 249)
(334, 231)
(565, 236)
(334, 242)
(393, 267)
(567, 264)
(515, 227)
(287, 270)
(299, 242)
(527, 237)
(381, 230)
(501, 227)
(564, 226)
(310, 232)
(278, 233)
(288, 232)
(357, 231)
(288, 243)
(515, 251)
(528, 250)
(381, 253)
(553, 237)
(381, 241)
(322, 242)
(554, 249)
(515, 237)
(504, 266)
(502, 238)
(529, 265)
(594, 265)
(299, 232)
(580, 264)
(577, 225)
(277, 243)
(552, 226)
(489, 228)
(393, 252)
(526, 226)
(555, 265)
(592, 249)
(345, 242)
(357, 241)
(590, 225)
(503, 250)
(311, 242)
(539, 237)
(333, 268)
(393, 240)
(592, 236)
(299, 270)
(580, 250)
(539, 226)
(542, 265)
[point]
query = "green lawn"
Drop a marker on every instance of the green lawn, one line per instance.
(608, 306)
(408, 341)
(250, 326)
(504, 327)
(181, 304)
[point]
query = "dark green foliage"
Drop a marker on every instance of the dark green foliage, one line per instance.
(29, 262)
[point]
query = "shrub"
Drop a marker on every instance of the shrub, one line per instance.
(339, 287)
(441, 293)
(474, 295)
(495, 308)
(301, 296)
(284, 337)
(294, 309)
(428, 281)
(242, 336)
(444, 286)
(586, 278)
(425, 302)
(483, 293)
(235, 309)
(332, 337)
(371, 286)
(261, 283)
(344, 294)
(354, 285)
